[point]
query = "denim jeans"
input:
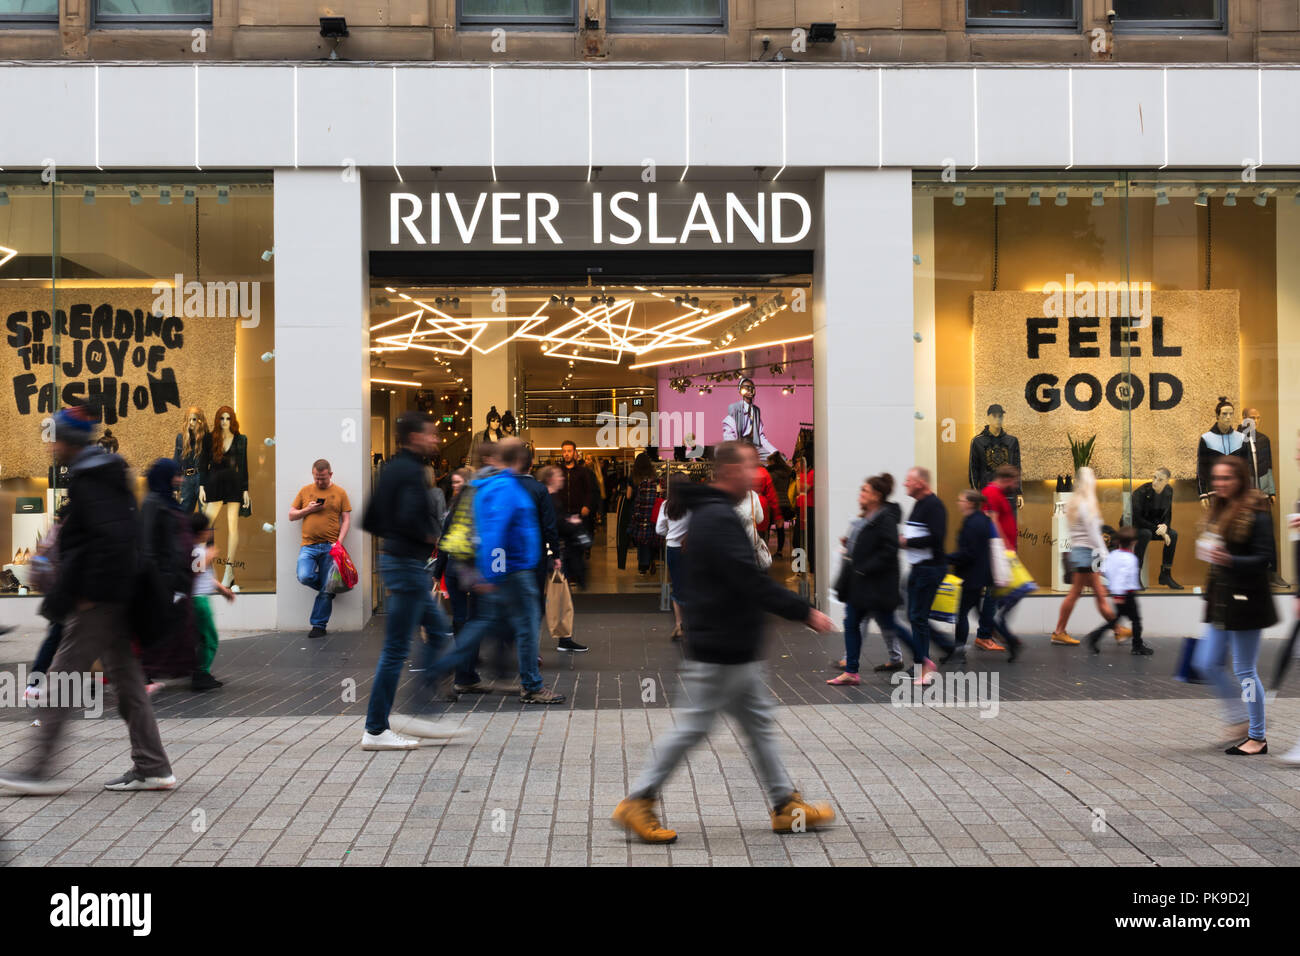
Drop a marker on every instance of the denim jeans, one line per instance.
(189, 493)
(922, 585)
(1243, 698)
(410, 604)
(510, 608)
(313, 566)
(890, 631)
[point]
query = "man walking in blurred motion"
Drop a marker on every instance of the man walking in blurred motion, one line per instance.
(399, 512)
(98, 555)
(726, 595)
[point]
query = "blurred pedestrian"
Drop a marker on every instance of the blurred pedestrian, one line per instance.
(1087, 553)
(1121, 572)
(548, 559)
(726, 596)
(168, 543)
(781, 474)
(644, 492)
(972, 562)
(99, 546)
(673, 521)
(575, 500)
(922, 541)
(205, 584)
(1237, 541)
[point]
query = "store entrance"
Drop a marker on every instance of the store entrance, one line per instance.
(612, 385)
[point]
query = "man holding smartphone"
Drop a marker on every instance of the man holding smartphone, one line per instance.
(326, 514)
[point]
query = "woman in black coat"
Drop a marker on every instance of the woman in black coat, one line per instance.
(970, 562)
(868, 581)
(1237, 540)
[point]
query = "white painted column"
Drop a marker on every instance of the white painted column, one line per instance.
(1288, 380)
(322, 373)
(862, 346)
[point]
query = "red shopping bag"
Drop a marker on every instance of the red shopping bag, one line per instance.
(343, 576)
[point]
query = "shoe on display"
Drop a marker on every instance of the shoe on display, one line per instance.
(1167, 580)
(387, 741)
(406, 726)
(134, 780)
(798, 811)
(570, 645)
(26, 785)
(638, 816)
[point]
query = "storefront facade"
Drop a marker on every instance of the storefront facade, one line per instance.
(959, 222)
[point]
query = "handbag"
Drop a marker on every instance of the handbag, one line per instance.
(761, 554)
(946, 599)
(559, 607)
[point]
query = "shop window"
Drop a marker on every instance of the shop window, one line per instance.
(151, 304)
(1144, 14)
(16, 12)
(1135, 323)
(153, 11)
(670, 16)
(1029, 13)
(487, 14)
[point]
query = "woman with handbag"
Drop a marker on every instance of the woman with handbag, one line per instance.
(1087, 551)
(868, 581)
(1237, 541)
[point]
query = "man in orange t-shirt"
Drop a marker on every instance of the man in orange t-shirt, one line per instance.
(326, 513)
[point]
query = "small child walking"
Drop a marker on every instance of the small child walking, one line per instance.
(1121, 570)
(205, 583)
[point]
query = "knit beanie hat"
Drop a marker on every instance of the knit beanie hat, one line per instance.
(74, 425)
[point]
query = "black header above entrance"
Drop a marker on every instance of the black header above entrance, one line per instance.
(625, 266)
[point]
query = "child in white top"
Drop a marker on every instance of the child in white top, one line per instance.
(1122, 580)
(205, 584)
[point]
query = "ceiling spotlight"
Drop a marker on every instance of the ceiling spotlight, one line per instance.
(88, 197)
(266, 256)
(595, 299)
(1035, 198)
(136, 198)
(1296, 199)
(223, 195)
(1202, 198)
(268, 356)
(165, 196)
(188, 197)
(1261, 199)
(1098, 198)
(999, 197)
(959, 198)
(4, 196)
(736, 300)
(1061, 198)
(555, 300)
(1162, 197)
(1231, 198)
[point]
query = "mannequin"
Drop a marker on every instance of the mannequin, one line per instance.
(493, 431)
(693, 449)
(226, 483)
(1259, 451)
(508, 423)
(991, 449)
(744, 421)
(193, 449)
(1153, 518)
(1222, 439)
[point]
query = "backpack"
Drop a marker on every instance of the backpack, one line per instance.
(459, 542)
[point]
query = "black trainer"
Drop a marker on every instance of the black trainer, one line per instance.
(1142, 649)
(202, 680)
(568, 644)
(316, 632)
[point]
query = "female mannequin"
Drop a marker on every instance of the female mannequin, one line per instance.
(508, 423)
(493, 431)
(193, 449)
(226, 484)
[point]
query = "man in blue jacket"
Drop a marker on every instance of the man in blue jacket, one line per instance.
(506, 526)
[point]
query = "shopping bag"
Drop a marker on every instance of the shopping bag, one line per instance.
(1021, 583)
(559, 607)
(946, 600)
(998, 562)
(342, 573)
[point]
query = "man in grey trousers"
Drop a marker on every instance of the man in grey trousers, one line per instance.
(725, 596)
(98, 550)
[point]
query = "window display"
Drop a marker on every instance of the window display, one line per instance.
(1105, 329)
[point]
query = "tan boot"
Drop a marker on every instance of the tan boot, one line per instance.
(797, 815)
(638, 816)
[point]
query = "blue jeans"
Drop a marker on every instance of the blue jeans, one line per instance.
(854, 620)
(922, 585)
(510, 608)
(189, 493)
(410, 604)
(313, 566)
(1243, 699)
(673, 558)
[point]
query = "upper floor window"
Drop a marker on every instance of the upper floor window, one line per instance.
(153, 11)
(1169, 14)
(1026, 13)
(29, 11)
(518, 13)
(666, 15)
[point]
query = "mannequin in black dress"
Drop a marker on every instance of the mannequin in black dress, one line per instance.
(226, 483)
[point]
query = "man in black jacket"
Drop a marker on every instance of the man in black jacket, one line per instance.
(400, 512)
(98, 554)
(575, 499)
(725, 597)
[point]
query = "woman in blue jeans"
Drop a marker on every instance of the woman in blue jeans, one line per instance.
(1237, 540)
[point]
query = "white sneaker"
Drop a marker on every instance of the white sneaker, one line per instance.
(427, 729)
(387, 741)
(1292, 755)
